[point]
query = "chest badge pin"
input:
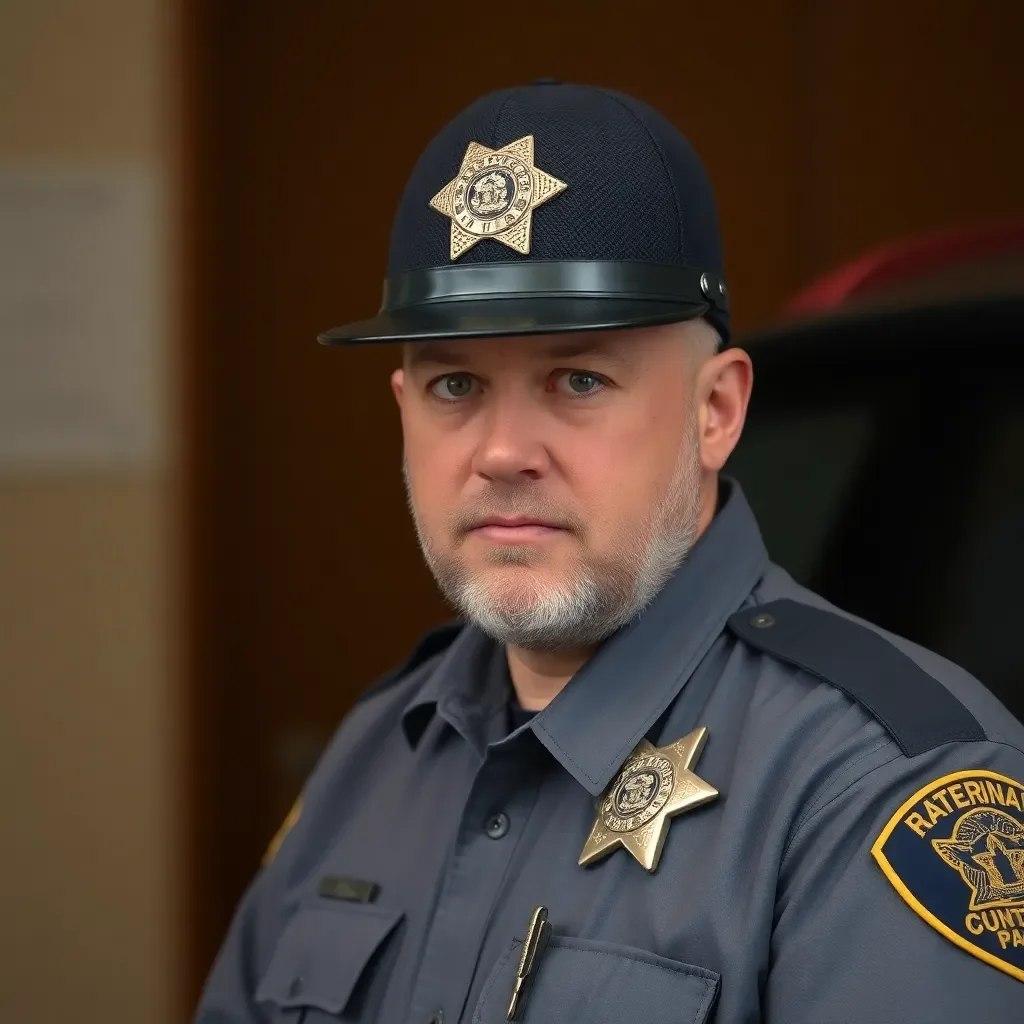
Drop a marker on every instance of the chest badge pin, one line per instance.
(653, 786)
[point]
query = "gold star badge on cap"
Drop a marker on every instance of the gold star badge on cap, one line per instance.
(494, 196)
(654, 785)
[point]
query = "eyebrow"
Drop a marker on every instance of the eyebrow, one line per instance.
(430, 354)
(433, 354)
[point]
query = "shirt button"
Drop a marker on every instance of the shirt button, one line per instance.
(297, 985)
(437, 1017)
(497, 826)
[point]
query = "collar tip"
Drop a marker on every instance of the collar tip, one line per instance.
(414, 724)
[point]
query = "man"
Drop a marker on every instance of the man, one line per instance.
(650, 778)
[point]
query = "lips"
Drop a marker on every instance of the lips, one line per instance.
(515, 530)
(513, 522)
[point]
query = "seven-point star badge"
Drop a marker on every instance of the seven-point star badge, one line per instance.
(494, 196)
(655, 784)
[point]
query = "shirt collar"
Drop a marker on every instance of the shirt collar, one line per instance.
(612, 702)
(468, 688)
(593, 725)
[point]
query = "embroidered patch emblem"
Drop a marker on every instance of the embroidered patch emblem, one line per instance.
(955, 852)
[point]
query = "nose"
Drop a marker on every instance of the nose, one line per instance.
(510, 447)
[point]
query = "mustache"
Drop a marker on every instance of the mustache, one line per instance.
(502, 502)
(524, 506)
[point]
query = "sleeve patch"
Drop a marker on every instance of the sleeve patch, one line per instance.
(286, 826)
(955, 852)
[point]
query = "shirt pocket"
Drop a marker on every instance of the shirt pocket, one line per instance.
(319, 959)
(600, 983)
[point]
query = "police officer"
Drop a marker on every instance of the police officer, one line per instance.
(649, 778)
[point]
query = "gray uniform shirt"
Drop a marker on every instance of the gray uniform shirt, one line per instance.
(767, 904)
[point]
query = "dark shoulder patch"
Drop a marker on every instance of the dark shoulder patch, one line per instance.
(917, 711)
(433, 642)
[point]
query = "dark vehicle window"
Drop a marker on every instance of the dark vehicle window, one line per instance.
(984, 607)
(899, 496)
(814, 454)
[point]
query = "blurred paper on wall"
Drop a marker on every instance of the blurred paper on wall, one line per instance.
(80, 265)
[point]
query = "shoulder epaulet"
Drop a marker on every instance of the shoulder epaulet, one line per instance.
(917, 711)
(433, 642)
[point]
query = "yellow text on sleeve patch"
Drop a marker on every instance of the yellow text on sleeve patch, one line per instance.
(955, 852)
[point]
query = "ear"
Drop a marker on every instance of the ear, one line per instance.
(723, 394)
(398, 385)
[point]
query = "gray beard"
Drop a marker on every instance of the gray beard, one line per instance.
(600, 596)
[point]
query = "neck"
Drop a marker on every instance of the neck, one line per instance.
(539, 676)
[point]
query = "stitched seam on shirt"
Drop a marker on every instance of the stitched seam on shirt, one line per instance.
(963, 734)
(834, 778)
(1006, 743)
(802, 826)
(485, 992)
(805, 821)
(702, 1010)
(634, 957)
(809, 816)
(644, 963)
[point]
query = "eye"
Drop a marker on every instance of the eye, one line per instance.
(453, 386)
(581, 383)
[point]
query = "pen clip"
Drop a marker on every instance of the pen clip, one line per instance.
(536, 941)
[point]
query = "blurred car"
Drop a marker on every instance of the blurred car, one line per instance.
(884, 450)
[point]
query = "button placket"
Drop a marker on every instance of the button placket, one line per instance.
(470, 888)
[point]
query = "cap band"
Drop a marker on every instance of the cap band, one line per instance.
(599, 279)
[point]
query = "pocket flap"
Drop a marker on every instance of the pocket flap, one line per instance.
(601, 983)
(321, 955)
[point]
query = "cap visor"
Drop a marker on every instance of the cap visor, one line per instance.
(496, 318)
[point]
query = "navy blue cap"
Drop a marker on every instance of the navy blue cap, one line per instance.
(545, 209)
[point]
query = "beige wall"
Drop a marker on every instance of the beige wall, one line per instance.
(88, 866)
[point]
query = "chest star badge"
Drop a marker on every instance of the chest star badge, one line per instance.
(494, 196)
(654, 785)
